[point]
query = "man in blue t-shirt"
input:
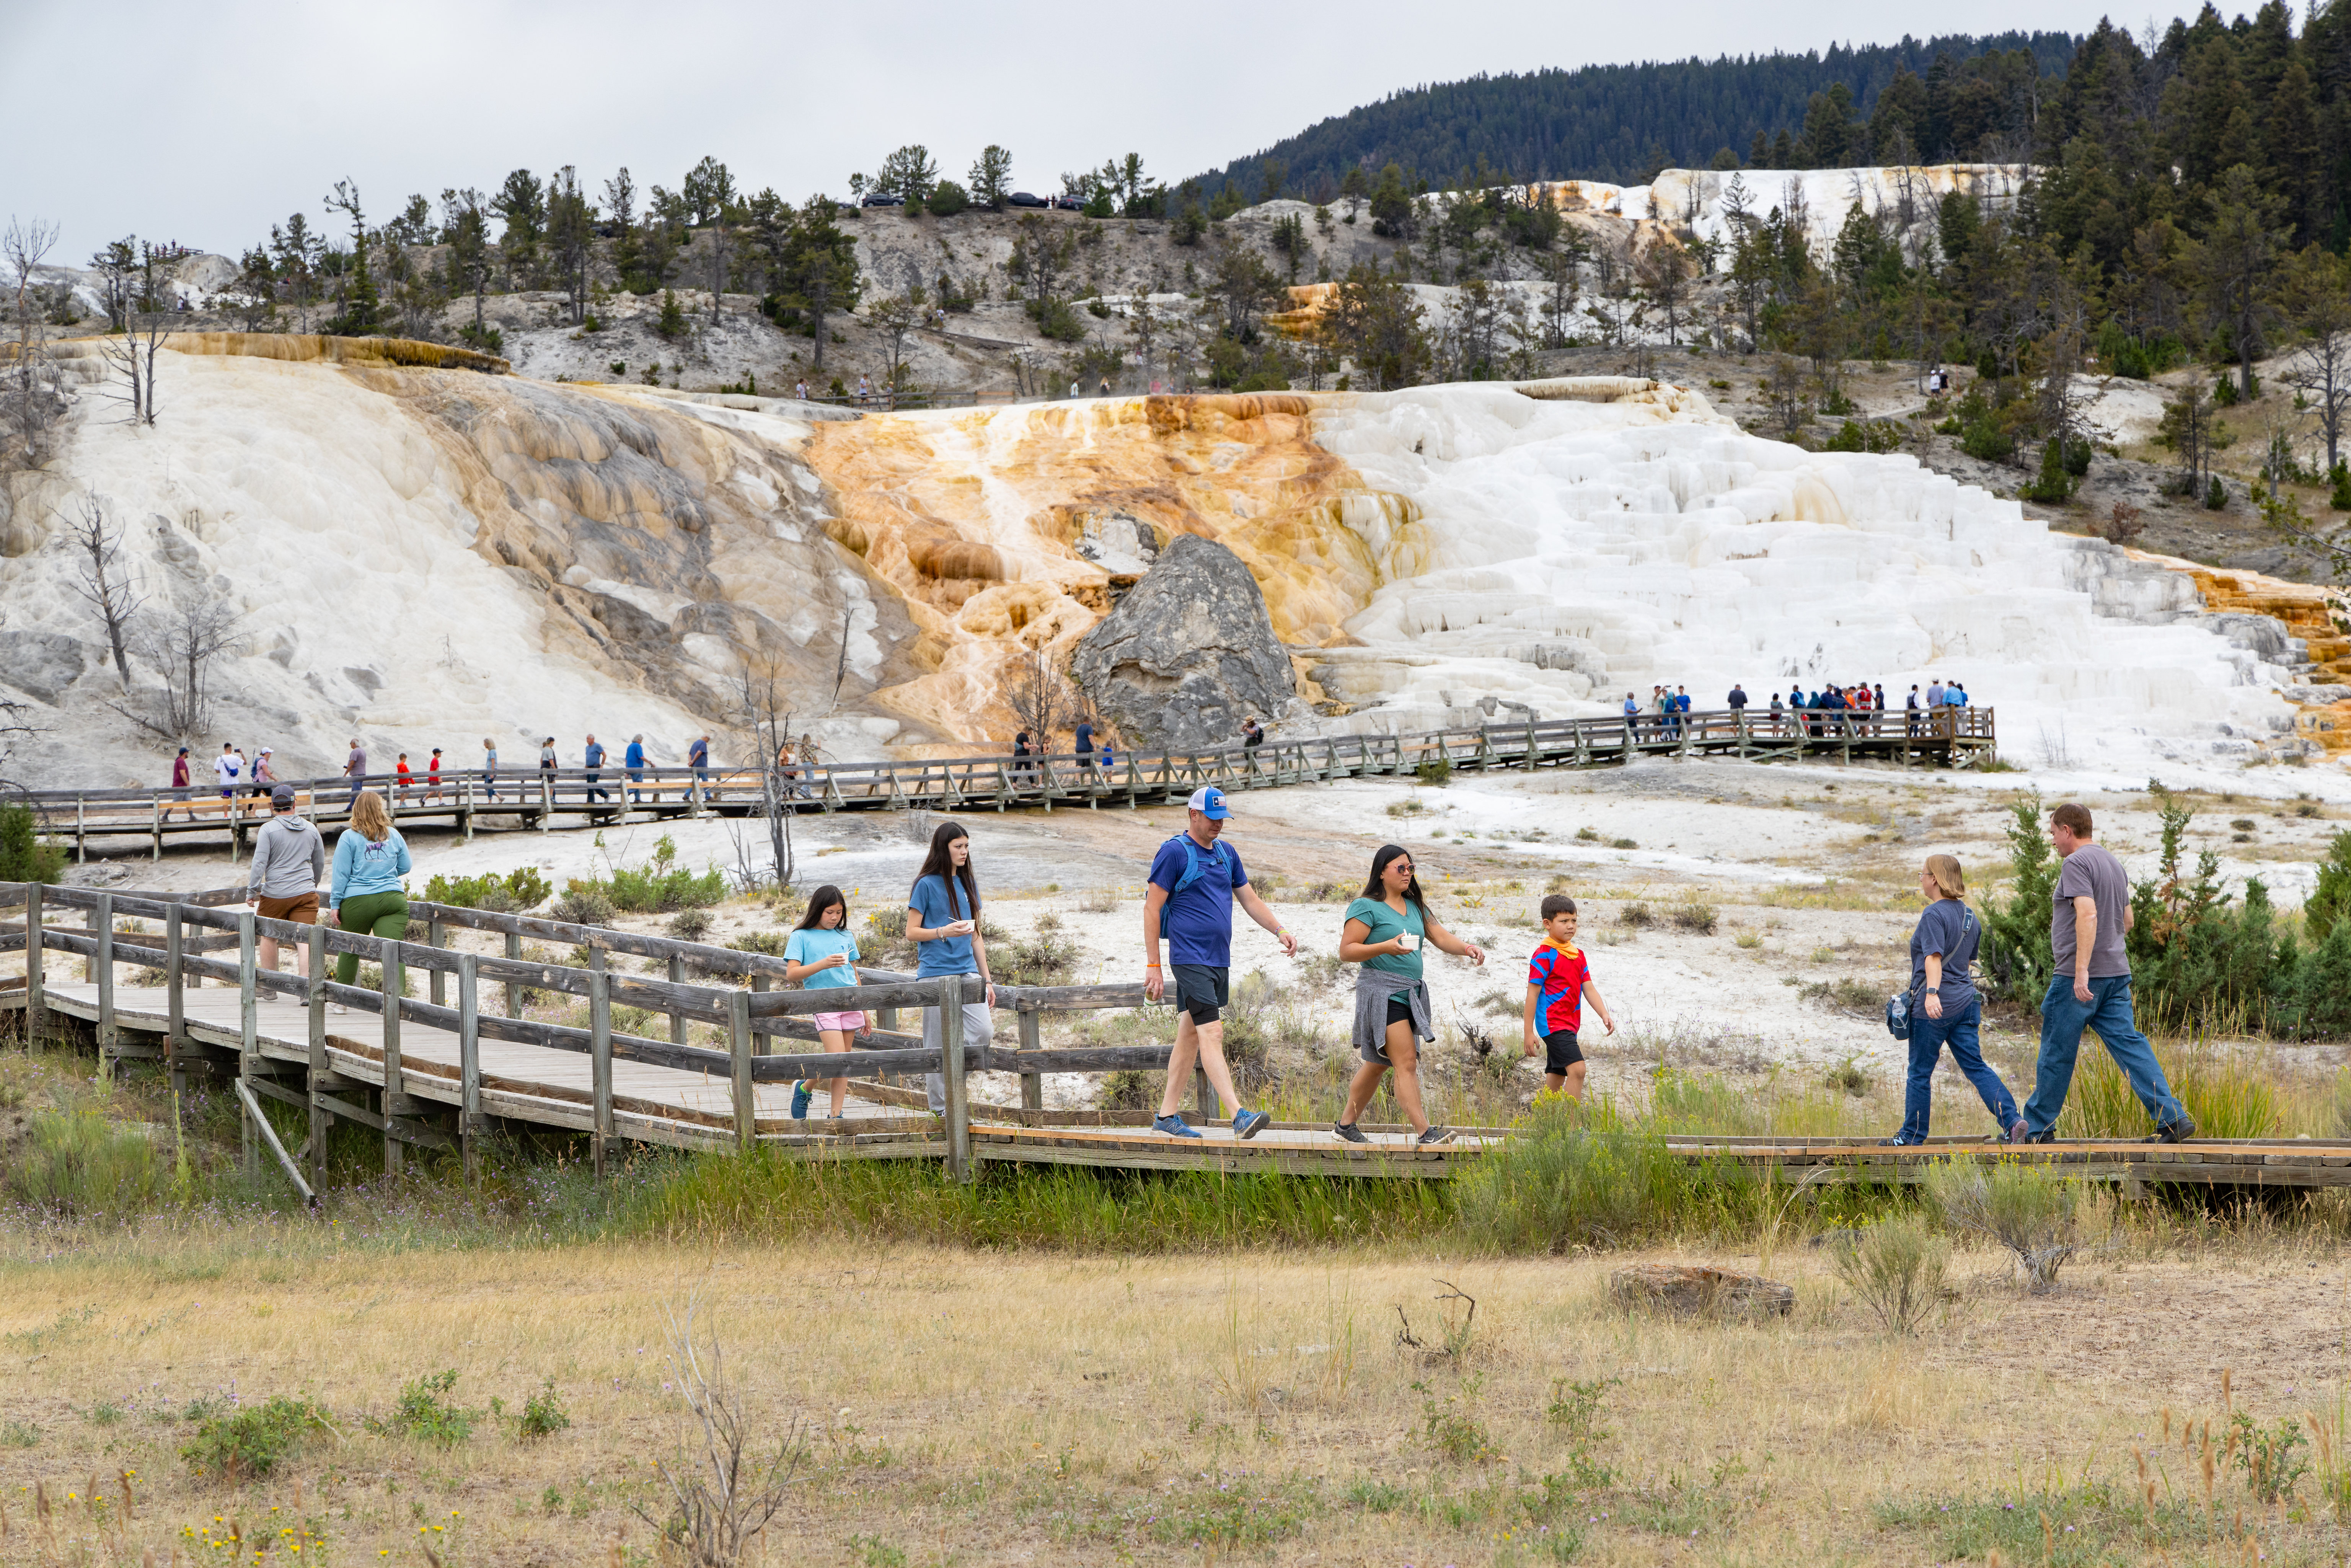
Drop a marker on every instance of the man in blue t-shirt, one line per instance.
(1195, 879)
(593, 757)
(1085, 743)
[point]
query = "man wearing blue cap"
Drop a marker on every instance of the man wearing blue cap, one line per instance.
(1195, 879)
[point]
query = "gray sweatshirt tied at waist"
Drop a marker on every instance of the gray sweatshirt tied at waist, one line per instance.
(289, 859)
(1374, 990)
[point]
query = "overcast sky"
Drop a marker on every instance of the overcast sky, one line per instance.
(206, 123)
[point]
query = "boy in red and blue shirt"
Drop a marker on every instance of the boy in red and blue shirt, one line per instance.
(1557, 979)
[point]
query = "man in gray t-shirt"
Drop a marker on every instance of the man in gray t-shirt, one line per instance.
(2091, 986)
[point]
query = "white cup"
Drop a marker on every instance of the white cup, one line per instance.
(1411, 943)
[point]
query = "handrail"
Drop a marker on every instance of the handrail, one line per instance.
(979, 775)
(745, 1012)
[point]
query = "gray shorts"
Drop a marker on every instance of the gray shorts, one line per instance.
(1202, 991)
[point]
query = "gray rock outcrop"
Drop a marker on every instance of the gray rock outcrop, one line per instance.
(1188, 653)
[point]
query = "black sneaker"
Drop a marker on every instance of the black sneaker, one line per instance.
(1899, 1143)
(1434, 1135)
(2048, 1137)
(2178, 1131)
(1348, 1134)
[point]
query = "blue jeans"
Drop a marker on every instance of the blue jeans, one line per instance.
(2108, 1011)
(1957, 1029)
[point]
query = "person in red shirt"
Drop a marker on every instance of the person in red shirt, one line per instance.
(433, 774)
(400, 780)
(1557, 979)
(180, 781)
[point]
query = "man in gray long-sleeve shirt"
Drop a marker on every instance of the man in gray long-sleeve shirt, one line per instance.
(290, 860)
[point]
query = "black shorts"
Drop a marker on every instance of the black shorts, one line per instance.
(1201, 991)
(1560, 1051)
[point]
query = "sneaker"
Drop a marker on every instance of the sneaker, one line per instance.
(1174, 1126)
(1348, 1133)
(1899, 1142)
(800, 1098)
(1434, 1135)
(2178, 1131)
(1249, 1123)
(2048, 1137)
(2018, 1133)
(337, 1007)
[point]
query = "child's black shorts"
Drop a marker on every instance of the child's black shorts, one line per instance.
(1560, 1051)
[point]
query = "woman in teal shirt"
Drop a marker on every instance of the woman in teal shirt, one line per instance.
(1384, 932)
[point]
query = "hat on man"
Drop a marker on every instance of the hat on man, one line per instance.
(1210, 803)
(282, 797)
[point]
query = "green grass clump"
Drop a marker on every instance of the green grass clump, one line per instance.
(543, 1414)
(508, 894)
(1579, 1174)
(2222, 1090)
(763, 1195)
(425, 1414)
(76, 1163)
(2087, 1526)
(247, 1443)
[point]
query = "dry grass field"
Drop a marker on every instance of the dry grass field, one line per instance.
(970, 1407)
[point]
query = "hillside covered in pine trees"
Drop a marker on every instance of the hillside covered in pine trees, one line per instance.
(1624, 122)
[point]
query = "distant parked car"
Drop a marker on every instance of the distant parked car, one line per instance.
(1068, 204)
(885, 199)
(1025, 199)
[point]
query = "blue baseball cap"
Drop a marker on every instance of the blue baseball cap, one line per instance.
(1210, 803)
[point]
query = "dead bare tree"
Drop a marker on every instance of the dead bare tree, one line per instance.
(724, 1486)
(183, 650)
(1040, 697)
(35, 396)
(111, 586)
(767, 725)
(131, 356)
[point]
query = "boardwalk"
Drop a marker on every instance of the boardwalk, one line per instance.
(1944, 737)
(438, 1071)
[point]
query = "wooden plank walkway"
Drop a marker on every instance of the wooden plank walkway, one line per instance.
(1942, 737)
(311, 1053)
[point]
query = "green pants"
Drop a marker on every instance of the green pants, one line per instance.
(371, 915)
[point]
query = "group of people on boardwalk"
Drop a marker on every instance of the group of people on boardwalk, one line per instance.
(1195, 881)
(1821, 712)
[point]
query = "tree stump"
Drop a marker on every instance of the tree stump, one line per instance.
(1695, 1288)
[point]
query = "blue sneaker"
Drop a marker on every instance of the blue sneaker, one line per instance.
(800, 1097)
(1174, 1126)
(1249, 1123)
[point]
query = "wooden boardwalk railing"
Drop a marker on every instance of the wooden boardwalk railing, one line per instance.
(439, 1070)
(1938, 736)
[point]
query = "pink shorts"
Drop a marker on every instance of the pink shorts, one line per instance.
(849, 1023)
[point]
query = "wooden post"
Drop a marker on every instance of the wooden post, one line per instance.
(887, 1018)
(315, 1031)
(81, 835)
(235, 827)
(1032, 1085)
(469, 1065)
(465, 808)
(102, 916)
(1203, 1095)
(435, 936)
(600, 1053)
(958, 1102)
(156, 806)
(36, 988)
(176, 1002)
(248, 1045)
(676, 1019)
(739, 1051)
(396, 1085)
(514, 990)
(762, 1044)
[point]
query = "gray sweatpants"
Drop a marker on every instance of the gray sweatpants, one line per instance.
(978, 1029)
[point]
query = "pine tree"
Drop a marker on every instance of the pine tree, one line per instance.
(363, 308)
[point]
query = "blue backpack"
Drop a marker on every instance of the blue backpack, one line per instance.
(1194, 866)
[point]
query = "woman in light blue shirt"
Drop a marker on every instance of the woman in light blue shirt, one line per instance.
(365, 893)
(822, 956)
